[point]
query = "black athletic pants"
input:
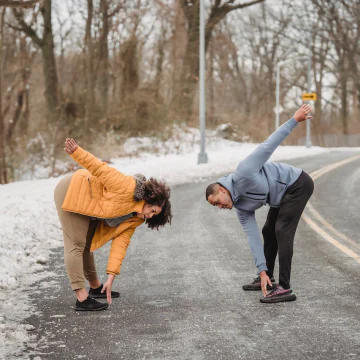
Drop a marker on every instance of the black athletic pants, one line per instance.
(281, 223)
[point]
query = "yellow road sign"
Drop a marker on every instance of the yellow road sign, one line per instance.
(309, 96)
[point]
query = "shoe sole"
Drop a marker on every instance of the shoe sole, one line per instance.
(103, 296)
(99, 309)
(257, 288)
(291, 297)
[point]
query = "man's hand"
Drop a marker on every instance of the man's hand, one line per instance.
(70, 146)
(107, 286)
(303, 113)
(264, 282)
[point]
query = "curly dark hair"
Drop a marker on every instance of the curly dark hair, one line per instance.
(158, 193)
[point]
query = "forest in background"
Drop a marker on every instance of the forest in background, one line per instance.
(101, 71)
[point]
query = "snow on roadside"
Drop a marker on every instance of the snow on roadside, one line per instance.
(30, 229)
(223, 157)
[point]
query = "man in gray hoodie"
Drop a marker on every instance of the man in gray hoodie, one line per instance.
(255, 183)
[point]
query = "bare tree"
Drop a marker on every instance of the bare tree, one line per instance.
(190, 72)
(160, 56)
(108, 9)
(248, 48)
(46, 45)
(267, 46)
(343, 27)
(21, 111)
(90, 74)
(17, 56)
(64, 33)
(104, 55)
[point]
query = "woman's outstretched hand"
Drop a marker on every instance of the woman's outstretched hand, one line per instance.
(107, 287)
(303, 113)
(70, 146)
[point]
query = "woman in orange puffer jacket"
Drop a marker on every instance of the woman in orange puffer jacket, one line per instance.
(101, 204)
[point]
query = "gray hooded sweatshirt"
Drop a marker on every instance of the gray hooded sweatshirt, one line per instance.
(256, 183)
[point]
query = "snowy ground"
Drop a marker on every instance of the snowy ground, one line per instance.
(30, 229)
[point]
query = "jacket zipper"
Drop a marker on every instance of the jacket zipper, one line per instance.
(134, 219)
(90, 187)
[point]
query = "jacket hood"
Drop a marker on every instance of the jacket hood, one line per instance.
(227, 182)
(139, 192)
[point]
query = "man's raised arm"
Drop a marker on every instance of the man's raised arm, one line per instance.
(256, 160)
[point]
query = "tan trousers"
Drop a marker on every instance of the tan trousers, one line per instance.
(78, 232)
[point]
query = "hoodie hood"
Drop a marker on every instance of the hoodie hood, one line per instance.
(227, 182)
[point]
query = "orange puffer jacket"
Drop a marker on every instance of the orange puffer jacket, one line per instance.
(104, 192)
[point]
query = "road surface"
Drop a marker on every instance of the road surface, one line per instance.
(181, 288)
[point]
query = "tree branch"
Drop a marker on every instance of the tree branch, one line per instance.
(18, 4)
(115, 11)
(27, 29)
(227, 7)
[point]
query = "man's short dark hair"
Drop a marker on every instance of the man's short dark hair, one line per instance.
(210, 190)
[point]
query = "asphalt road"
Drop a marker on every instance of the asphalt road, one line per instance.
(181, 289)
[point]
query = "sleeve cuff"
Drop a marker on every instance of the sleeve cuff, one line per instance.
(262, 267)
(292, 122)
(111, 273)
(76, 154)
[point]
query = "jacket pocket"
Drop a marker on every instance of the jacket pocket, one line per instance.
(282, 183)
(259, 194)
(252, 198)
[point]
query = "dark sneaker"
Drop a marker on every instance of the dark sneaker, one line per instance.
(90, 304)
(279, 294)
(96, 293)
(256, 284)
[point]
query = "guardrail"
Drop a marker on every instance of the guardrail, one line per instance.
(333, 140)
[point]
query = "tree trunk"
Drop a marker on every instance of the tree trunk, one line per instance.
(344, 104)
(358, 96)
(3, 165)
(356, 80)
(90, 97)
(17, 113)
(183, 100)
(26, 110)
(130, 68)
(160, 60)
(104, 57)
(355, 103)
(343, 74)
(49, 63)
(316, 121)
(46, 44)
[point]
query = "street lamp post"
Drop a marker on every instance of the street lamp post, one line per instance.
(308, 122)
(202, 157)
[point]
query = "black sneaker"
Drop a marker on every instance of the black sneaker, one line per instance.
(279, 294)
(90, 304)
(256, 284)
(96, 293)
